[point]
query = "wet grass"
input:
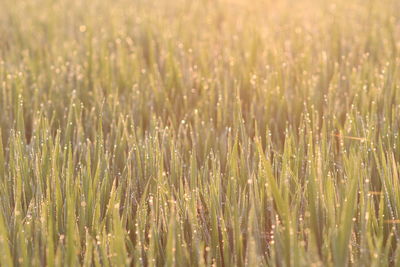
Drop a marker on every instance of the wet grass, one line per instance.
(177, 133)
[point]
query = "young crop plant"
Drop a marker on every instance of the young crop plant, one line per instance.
(199, 133)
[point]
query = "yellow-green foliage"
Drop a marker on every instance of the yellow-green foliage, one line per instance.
(199, 132)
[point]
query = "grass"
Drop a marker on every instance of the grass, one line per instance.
(198, 133)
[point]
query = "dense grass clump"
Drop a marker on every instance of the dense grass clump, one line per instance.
(198, 133)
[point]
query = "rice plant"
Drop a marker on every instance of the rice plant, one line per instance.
(199, 133)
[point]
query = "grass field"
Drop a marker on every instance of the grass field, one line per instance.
(199, 133)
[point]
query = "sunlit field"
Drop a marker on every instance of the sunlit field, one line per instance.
(199, 133)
